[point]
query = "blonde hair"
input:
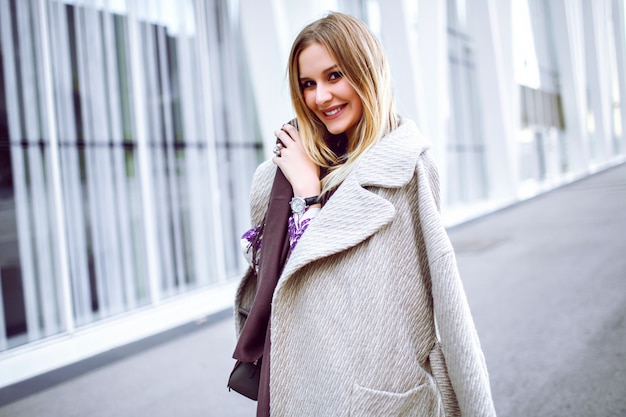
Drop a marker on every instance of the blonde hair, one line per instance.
(361, 60)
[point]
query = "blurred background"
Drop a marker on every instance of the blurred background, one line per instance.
(130, 130)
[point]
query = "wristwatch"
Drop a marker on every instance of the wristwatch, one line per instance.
(299, 204)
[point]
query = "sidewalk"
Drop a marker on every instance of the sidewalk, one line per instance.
(546, 281)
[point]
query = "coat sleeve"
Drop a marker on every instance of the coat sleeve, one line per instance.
(462, 354)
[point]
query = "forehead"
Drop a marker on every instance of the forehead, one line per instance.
(314, 60)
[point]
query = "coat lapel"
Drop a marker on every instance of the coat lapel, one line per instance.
(355, 213)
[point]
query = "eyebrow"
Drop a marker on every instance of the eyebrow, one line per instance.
(327, 70)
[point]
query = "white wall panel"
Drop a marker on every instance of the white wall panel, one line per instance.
(489, 23)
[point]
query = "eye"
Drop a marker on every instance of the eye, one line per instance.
(307, 84)
(335, 75)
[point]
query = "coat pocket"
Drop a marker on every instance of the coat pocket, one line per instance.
(422, 400)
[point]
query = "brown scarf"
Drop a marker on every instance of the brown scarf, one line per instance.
(254, 340)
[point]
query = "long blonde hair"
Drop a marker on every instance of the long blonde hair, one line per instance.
(361, 60)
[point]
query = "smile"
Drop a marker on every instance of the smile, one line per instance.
(334, 111)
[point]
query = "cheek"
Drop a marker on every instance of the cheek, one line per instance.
(350, 93)
(309, 99)
(357, 104)
(360, 111)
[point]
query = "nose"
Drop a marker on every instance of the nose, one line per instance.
(323, 94)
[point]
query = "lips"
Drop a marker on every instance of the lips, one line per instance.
(333, 112)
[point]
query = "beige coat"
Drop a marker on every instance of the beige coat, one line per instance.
(354, 312)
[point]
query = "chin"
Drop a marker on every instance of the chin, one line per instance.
(336, 129)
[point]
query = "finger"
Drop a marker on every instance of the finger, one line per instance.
(291, 131)
(283, 137)
(279, 156)
(278, 149)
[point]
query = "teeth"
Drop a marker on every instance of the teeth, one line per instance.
(330, 113)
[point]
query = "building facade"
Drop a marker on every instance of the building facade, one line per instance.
(130, 130)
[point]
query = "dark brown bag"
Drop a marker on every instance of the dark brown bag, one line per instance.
(245, 379)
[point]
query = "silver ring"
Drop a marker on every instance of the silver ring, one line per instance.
(277, 148)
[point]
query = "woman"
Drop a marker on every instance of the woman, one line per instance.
(368, 316)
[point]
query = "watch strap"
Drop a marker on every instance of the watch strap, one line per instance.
(309, 201)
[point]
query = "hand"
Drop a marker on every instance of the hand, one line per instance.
(301, 172)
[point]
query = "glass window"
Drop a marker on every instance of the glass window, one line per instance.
(617, 103)
(192, 124)
(97, 152)
(30, 296)
(543, 146)
(465, 146)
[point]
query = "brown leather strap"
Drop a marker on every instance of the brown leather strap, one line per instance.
(273, 254)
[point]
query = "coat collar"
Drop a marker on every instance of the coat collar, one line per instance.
(354, 213)
(390, 163)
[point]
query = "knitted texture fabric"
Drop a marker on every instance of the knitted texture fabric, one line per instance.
(460, 345)
(369, 317)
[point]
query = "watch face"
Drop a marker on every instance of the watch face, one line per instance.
(297, 204)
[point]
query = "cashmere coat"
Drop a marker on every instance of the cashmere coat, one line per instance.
(369, 316)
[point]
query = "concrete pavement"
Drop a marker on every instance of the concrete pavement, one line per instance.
(549, 299)
(546, 281)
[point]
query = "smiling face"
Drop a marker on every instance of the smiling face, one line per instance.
(327, 93)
